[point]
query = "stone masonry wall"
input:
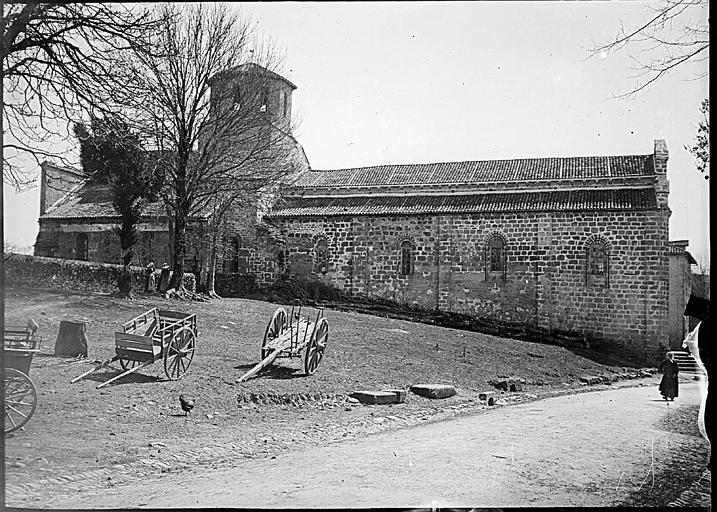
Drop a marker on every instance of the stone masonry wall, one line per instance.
(545, 282)
(153, 244)
(25, 271)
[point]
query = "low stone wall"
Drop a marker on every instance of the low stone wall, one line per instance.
(22, 270)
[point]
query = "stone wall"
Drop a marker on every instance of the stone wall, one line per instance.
(22, 270)
(59, 239)
(680, 288)
(545, 284)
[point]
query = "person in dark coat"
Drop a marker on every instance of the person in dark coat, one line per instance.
(668, 385)
(164, 279)
(149, 277)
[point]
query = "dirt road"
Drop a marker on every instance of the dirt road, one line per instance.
(589, 449)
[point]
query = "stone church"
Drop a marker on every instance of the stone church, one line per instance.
(574, 243)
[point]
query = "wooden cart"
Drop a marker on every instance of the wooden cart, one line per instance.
(20, 393)
(154, 335)
(288, 335)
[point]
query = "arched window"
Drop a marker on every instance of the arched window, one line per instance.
(281, 257)
(264, 100)
(321, 258)
(406, 258)
(236, 99)
(496, 257)
(230, 246)
(81, 247)
(597, 262)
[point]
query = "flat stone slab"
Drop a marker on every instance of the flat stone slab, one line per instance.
(434, 390)
(400, 394)
(375, 397)
(590, 380)
(488, 397)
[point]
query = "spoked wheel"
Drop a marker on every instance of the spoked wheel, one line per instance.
(317, 345)
(127, 364)
(20, 399)
(179, 353)
(276, 326)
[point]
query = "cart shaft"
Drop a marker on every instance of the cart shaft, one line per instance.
(265, 362)
(131, 370)
(101, 365)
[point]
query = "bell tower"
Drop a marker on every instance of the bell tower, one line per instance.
(253, 93)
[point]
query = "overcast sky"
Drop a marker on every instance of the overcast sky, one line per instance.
(413, 82)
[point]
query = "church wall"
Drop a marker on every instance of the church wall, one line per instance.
(58, 239)
(545, 281)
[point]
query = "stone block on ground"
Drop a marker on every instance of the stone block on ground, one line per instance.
(488, 397)
(72, 339)
(434, 390)
(400, 394)
(590, 380)
(374, 397)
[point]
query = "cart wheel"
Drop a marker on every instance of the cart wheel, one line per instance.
(126, 364)
(317, 345)
(276, 326)
(179, 353)
(20, 399)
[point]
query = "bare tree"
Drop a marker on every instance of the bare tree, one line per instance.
(58, 63)
(205, 104)
(674, 34)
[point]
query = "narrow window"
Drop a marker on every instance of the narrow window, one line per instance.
(321, 259)
(281, 258)
(229, 261)
(284, 102)
(495, 257)
(597, 271)
(264, 100)
(81, 247)
(406, 258)
(236, 100)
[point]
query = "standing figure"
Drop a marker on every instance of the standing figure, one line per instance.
(668, 385)
(164, 279)
(149, 277)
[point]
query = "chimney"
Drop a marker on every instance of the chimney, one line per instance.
(662, 185)
(661, 156)
(43, 188)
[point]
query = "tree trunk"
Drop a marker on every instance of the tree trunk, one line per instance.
(180, 251)
(211, 277)
(125, 281)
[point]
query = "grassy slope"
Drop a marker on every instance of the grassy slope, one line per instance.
(77, 427)
(364, 351)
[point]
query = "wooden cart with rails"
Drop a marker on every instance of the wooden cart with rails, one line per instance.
(155, 335)
(19, 345)
(289, 335)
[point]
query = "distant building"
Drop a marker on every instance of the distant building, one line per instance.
(576, 244)
(681, 285)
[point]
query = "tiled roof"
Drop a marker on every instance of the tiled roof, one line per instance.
(531, 169)
(93, 202)
(559, 200)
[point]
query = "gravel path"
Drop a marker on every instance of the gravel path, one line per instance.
(587, 449)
